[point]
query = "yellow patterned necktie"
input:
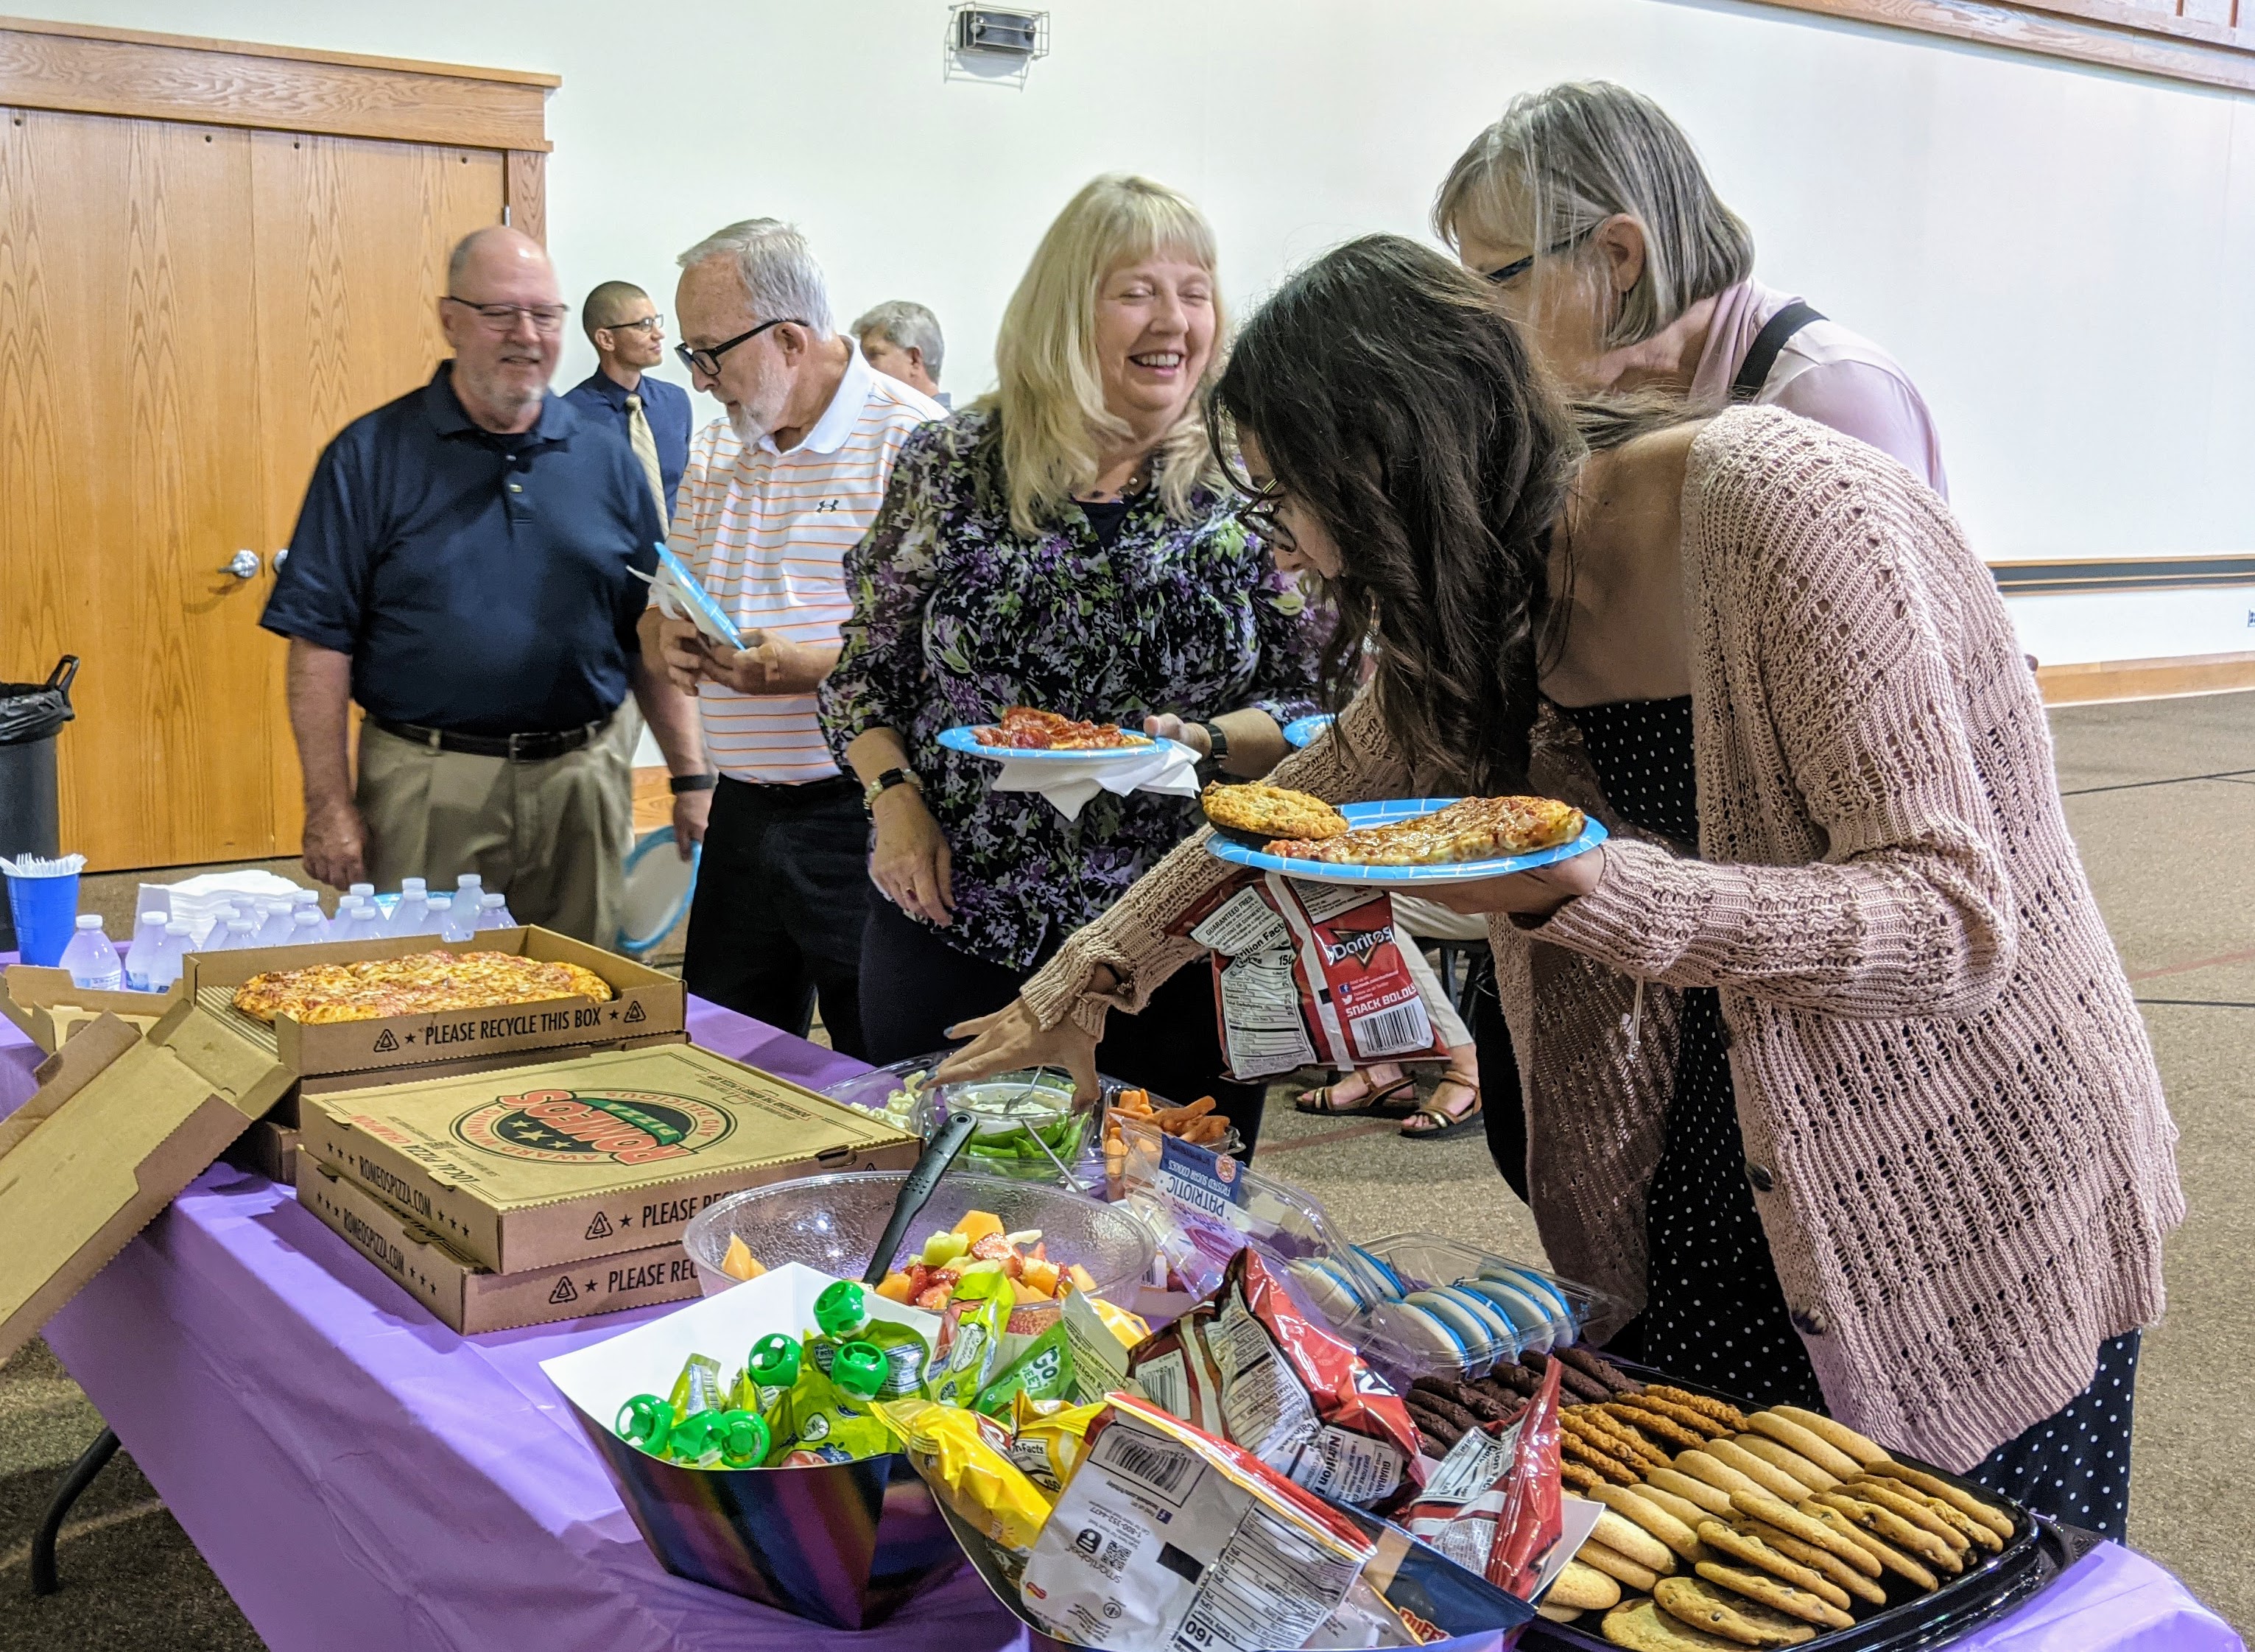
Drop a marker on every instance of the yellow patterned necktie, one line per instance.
(645, 447)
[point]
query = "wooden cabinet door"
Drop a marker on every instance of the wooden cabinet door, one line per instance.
(352, 239)
(129, 467)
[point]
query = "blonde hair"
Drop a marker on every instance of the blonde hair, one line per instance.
(1049, 397)
(1575, 154)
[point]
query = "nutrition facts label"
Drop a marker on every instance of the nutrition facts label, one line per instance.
(1269, 1588)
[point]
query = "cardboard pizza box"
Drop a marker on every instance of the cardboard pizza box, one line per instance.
(557, 1163)
(648, 1008)
(120, 1124)
(467, 1297)
(50, 1007)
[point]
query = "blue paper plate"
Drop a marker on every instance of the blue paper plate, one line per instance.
(658, 887)
(1373, 814)
(965, 738)
(1301, 731)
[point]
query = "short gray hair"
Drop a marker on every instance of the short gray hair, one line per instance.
(1574, 155)
(906, 325)
(781, 281)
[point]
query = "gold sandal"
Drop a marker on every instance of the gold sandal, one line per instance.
(1324, 1101)
(1445, 1123)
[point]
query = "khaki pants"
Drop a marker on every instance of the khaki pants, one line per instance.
(551, 836)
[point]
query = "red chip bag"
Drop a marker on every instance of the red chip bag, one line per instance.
(1247, 1365)
(1531, 1519)
(1309, 974)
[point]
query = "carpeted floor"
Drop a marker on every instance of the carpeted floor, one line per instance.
(2162, 798)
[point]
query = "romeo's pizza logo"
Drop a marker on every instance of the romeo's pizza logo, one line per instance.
(570, 1127)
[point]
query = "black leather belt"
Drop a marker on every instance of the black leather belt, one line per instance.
(536, 747)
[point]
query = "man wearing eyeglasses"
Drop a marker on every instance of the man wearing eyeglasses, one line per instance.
(629, 338)
(463, 567)
(774, 496)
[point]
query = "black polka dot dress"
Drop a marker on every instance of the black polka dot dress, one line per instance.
(1714, 1311)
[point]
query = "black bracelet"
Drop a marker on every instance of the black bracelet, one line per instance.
(680, 784)
(1220, 739)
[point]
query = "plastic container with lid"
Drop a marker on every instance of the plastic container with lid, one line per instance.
(1031, 1126)
(1422, 1304)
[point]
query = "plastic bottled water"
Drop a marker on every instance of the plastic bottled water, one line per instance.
(460, 921)
(307, 925)
(146, 937)
(274, 923)
(91, 959)
(303, 899)
(413, 915)
(165, 968)
(493, 913)
(234, 936)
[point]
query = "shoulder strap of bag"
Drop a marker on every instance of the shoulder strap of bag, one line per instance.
(1754, 372)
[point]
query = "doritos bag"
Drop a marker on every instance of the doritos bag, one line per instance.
(1309, 974)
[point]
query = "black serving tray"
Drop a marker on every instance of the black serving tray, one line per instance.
(2038, 1551)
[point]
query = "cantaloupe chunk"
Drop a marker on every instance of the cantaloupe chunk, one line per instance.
(1041, 1277)
(739, 1262)
(978, 1223)
(1082, 1279)
(895, 1287)
(1026, 1294)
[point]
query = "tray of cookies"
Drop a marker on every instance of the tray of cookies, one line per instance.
(1773, 1527)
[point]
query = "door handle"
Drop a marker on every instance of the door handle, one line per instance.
(243, 564)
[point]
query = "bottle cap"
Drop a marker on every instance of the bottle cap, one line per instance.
(468, 881)
(645, 1420)
(306, 897)
(774, 1363)
(361, 888)
(412, 886)
(89, 920)
(178, 927)
(306, 919)
(743, 1439)
(838, 1311)
(241, 926)
(694, 1436)
(154, 917)
(491, 899)
(859, 1370)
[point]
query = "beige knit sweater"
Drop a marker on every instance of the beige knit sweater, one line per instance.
(1933, 1047)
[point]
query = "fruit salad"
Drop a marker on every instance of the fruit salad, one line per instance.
(976, 1245)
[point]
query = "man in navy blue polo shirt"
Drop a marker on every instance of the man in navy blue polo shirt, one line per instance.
(462, 568)
(629, 338)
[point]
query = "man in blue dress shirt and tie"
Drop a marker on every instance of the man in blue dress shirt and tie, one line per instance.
(629, 338)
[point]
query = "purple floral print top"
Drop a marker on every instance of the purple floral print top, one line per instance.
(957, 617)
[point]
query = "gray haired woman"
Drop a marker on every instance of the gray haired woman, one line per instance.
(1588, 208)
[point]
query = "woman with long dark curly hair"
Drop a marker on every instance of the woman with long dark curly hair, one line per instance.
(1830, 1065)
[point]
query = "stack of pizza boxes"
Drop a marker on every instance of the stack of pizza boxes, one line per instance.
(535, 1163)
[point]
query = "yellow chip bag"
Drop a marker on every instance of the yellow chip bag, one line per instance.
(965, 1458)
(1047, 1439)
(1128, 1327)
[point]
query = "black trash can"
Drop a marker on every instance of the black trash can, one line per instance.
(30, 715)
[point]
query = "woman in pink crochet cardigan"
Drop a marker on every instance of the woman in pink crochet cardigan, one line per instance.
(1829, 1063)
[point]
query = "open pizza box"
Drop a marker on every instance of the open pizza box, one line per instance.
(120, 1124)
(50, 1007)
(647, 1008)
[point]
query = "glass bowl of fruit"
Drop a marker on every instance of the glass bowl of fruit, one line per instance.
(1030, 1127)
(1049, 1242)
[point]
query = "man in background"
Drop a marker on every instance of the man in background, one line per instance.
(461, 568)
(774, 495)
(901, 341)
(629, 338)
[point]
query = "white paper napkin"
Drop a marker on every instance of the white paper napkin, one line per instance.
(1069, 784)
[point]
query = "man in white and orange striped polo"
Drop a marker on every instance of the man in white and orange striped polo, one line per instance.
(774, 497)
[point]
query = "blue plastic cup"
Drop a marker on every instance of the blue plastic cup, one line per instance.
(45, 909)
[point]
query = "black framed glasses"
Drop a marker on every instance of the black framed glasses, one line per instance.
(1257, 511)
(652, 325)
(501, 318)
(1519, 267)
(707, 362)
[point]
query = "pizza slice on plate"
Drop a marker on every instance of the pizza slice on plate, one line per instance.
(1469, 829)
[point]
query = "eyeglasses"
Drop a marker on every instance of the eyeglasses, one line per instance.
(1519, 267)
(501, 318)
(707, 362)
(652, 325)
(1258, 513)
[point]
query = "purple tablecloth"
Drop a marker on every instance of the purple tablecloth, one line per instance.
(360, 1477)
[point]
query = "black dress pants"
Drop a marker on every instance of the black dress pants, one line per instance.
(1503, 1106)
(782, 893)
(915, 987)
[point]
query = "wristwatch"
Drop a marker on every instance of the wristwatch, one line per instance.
(1214, 732)
(680, 784)
(886, 781)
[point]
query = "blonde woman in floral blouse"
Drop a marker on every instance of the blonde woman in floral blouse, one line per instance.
(1068, 543)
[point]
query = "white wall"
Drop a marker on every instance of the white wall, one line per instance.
(2064, 258)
